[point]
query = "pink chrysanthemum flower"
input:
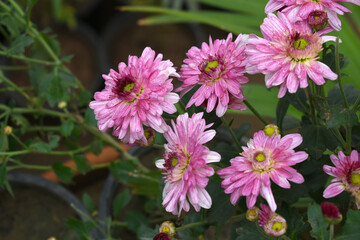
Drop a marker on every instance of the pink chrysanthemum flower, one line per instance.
(346, 173)
(272, 223)
(263, 159)
(299, 10)
(184, 164)
(218, 68)
(287, 55)
(137, 94)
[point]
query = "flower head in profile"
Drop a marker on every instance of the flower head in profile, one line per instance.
(263, 159)
(137, 95)
(218, 67)
(287, 55)
(272, 223)
(346, 173)
(331, 212)
(184, 164)
(299, 10)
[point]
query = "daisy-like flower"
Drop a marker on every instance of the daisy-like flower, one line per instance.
(298, 10)
(287, 54)
(346, 173)
(218, 68)
(137, 94)
(272, 223)
(184, 164)
(263, 159)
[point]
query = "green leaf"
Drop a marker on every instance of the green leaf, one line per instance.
(351, 229)
(120, 201)
(135, 220)
(335, 96)
(146, 184)
(316, 139)
(232, 22)
(339, 116)
(89, 118)
(21, 121)
(43, 147)
(3, 172)
(66, 128)
(81, 163)
(29, 6)
(3, 138)
(249, 230)
(146, 233)
(19, 44)
(120, 170)
(317, 222)
(96, 146)
(253, 7)
(221, 209)
(64, 173)
(281, 110)
(55, 92)
(53, 43)
(13, 25)
(81, 228)
(84, 98)
(88, 202)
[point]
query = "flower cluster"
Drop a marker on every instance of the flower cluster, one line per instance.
(288, 56)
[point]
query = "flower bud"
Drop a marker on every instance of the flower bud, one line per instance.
(252, 214)
(270, 129)
(167, 227)
(8, 130)
(272, 223)
(62, 105)
(318, 19)
(51, 238)
(162, 236)
(331, 213)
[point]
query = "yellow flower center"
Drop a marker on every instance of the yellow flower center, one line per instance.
(129, 87)
(277, 226)
(355, 179)
(316, 17)
(260, 157)
(301, 43)
(165, 229)
(212, 64)
(174, 161)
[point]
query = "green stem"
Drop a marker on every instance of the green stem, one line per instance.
(356, 104)
(256, 113)
(312, 105)
(232, 134)
(13, 85)
(190, 225)
(26, 59)
(348, 140)
(331, 236)
(337, 62)
(28, 166)
(43, 128)
(14, 68)
(14, 153)
(19, 141)
(339, 137)
(86, 216)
